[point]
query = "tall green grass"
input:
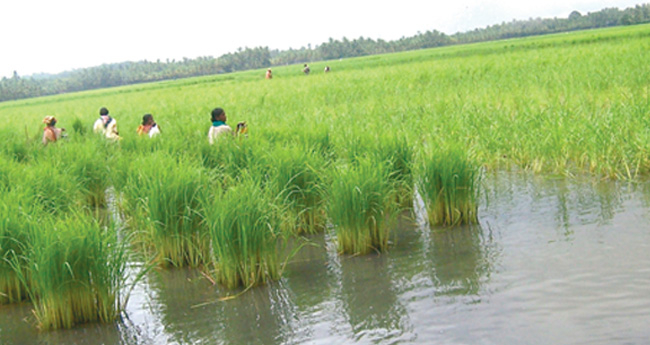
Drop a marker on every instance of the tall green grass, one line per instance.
(244, 228)
(400, 157)
(54, 189)
(362, 206)
(16, 211)
(76, 272)
(296, 176)
(161, 200)
(88, 161)
(448, 182)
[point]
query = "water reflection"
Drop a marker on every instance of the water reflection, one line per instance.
(263, 315)
(370, 300)
(458, 261)
(311, 261)
(509, 198)
(191, 312)
(175, 292)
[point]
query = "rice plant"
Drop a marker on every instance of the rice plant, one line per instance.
(243, 226)
(362, 206)
(15, 223)
(399, 154)
(296, 177)
(161, 201)
(88, 162)
(55, 190)
(448, 182)
(76, 272)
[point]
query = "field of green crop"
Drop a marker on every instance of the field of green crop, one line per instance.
(341, 152)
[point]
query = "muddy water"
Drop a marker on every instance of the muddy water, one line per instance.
(551, 262)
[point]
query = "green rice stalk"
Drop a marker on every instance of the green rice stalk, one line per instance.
(296, 178)
(362, 206)
(399, 154)
(15, 224)
(76, 269)
(88, 162)
(162, 200)
(448, 184)
(55, 190)
(243, 225)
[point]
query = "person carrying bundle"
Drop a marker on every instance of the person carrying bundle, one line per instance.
(148, 126)
(106, 125)
(50, 132)
(219, 126)
(269, 75)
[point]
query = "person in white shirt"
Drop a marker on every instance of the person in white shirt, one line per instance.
(219, 126)
(148, 126)
(106, 125)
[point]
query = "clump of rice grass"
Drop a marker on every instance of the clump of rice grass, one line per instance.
(76, 271)
(362, 206)
(87, 162)
(448, 183)
(20, 146)
(79, 127)
(296, 177)
(14, 242)
(243, 226)
(161, 201)
(231, 155)
(399, 155)
(53, 189)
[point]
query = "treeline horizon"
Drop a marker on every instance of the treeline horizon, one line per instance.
(126, 73)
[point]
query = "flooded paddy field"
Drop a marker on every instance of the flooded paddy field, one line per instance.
(551, 261)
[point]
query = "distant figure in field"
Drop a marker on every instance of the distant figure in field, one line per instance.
(268, 74)
(148, 126)
(50, 132)
(106, 125)
(327, 69)
(306, 70)
(219, 126)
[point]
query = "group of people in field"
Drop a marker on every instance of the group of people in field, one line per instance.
(306, 70)
(106, 126)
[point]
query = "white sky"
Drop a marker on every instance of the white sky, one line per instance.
(53, 36)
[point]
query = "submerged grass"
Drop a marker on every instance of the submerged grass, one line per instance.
(399, 155)
(76, 272)
(297, 178)
(15, 226)
(448, 182)
(362, 206)
(161, 200)
(244, 228)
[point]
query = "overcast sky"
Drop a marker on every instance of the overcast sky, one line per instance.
(56, 35)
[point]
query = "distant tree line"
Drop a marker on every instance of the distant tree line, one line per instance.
(125, 73)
